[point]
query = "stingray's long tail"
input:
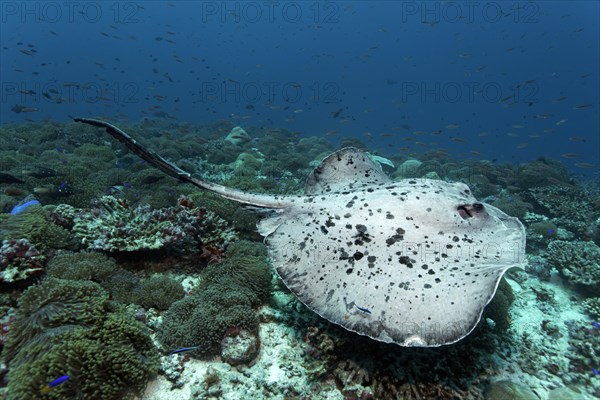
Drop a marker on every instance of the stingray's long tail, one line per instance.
(171, 169)
(153, 158)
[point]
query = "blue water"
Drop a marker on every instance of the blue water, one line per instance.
(500, 80)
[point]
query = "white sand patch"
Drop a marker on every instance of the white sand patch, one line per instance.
(531, 342)
(277, 373)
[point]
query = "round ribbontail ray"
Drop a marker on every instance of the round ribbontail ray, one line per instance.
(412, 262)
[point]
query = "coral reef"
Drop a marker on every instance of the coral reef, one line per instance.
(114, 226)
(568, 207)
(362, 368)
(82, 266)
(35, 225)
(19, 260)
(592, 307)
(408, 169)
(159, 292)
(497, 309)
(251, 161)
(239, 347)
(245, 266)
(77, 320)
(123, 286)
(237, 136)
(577, 262)
(512, 205)
(202, 321)
(540, 173)
(48, 309)
(546, 229)
(66, 327)
(222, 305)
(537, 266)
(583, 342)
(540, 231)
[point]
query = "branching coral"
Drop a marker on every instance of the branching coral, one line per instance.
(114, 226)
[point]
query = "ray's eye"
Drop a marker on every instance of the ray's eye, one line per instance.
(463, 212)
(469, 210)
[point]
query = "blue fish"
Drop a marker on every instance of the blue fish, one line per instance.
(183, 349)
(56, 382)
(595, 371)
(366, 310)
(596, 324)
(19, 208)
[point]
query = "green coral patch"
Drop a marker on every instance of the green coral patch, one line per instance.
(225, 300)
(83, 266)
(159, 292)
(51, 308)
(35, 225)
(69, 328)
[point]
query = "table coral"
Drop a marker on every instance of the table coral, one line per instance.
(19, 260)
(115, 226)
